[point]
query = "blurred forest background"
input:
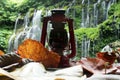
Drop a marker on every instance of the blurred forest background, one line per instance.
(96, 22)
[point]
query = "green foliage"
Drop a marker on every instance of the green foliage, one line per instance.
(110, 26)
(91, 33)
(7, 12)
(108, 29)
(4, 36)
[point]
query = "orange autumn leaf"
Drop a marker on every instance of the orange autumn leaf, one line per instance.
(34, 50)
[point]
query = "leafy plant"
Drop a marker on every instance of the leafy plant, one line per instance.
(4, 37)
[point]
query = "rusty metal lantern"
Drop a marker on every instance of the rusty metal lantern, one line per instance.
(58, 21)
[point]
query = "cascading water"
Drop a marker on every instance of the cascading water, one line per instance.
(21, 36)
(87, 20)
(83, 14)
(108, 7)
(85, 47)
(90, 18)
(35, 30)
(87, 24)
(95, 14)
(11, 40)
(83, 19)
(113, 1)
(98, 1)
(90, 12)
(26, 21)
(104, 10)
(69, 8)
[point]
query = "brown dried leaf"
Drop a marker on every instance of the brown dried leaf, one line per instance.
(108, 57)
(96, 65)
(34, 50)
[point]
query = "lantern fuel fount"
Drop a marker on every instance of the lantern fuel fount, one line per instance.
(58, 38)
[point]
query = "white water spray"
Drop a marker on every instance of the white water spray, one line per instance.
(11, 40)
(35, 30)
(21, 36)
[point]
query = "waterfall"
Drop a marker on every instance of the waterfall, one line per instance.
(36, 18)
(26, 20)
(16, 23)
(108, 7)
(88, 3)
(35, 30)
(95, 14)
(85, 47)
(83, 14)
(113, 1)
(104, 11)
(87, 20)
(83, 1)
(69, 8)
(87, 24)
(90, 13)
(98, 1)
(18, 40)
(10, 43)
(11, 40)
(21, 36)
(83, 18)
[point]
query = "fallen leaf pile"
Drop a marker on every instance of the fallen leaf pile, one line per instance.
(96, 65)
(102, 63)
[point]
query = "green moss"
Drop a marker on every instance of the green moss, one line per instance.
(91, 33)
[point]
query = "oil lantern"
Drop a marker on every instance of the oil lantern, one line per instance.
(59, 38)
